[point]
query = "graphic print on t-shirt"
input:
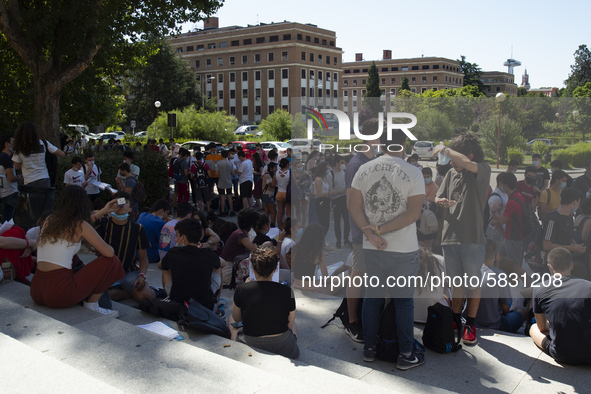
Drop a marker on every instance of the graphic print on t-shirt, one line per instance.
(383, 200)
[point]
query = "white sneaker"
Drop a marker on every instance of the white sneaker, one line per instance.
(93, 306)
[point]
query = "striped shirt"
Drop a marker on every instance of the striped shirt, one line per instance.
(125, 240)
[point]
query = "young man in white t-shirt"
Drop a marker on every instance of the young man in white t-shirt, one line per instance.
(245, 180)
(385, 202)
(75, 175)
(92, 173)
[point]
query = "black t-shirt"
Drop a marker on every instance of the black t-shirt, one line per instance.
(6, 161)
(541, 175)
(583, 184)
(261, 238)
(191, 268)
(126, 240)
(568, 309)
(558, 229)
(265, 307)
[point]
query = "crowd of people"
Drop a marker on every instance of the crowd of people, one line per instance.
(394, 217)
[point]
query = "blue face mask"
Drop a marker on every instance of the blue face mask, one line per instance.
(427, 181)
(299, 232)
(535, 163)
(563, 185)
(119, 217)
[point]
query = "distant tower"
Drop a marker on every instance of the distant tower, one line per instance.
(511, 63)
(525, 80)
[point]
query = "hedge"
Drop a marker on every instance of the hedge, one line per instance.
(575, 155)
(515, 153)
(153, 173)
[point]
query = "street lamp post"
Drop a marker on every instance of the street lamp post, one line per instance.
(556, 124)
(157, 104)
(500, 97)
(575, 114)
(203, 91)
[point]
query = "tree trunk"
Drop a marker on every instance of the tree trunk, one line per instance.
(47, 109)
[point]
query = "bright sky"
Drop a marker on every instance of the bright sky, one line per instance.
(544, 34)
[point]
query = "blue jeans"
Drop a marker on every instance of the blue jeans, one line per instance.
(41, 200)
(511, 322)
(382, 265)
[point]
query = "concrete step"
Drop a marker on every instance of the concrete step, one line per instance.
(26, 370)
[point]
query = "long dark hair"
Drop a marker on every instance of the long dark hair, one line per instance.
(258, 163)
(320, 170)
(71, 209)
(428, 264)
(310, 247)
(26, 139)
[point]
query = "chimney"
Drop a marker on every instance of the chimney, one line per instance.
(211, 23)
(387, 54)
(359, 57)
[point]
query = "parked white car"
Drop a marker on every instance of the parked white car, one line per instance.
(281, 147)
(301, 147)
(424, 149)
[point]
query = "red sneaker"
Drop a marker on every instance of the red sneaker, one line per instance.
(469, 336)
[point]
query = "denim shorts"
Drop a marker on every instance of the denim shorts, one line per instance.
(267, 199)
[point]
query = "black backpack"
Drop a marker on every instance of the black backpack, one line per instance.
(200, 318)
(343, 313)
(200, 175)
(51, 163)
(176, 169)
(138, 193)
(387, 348)
(439, 334)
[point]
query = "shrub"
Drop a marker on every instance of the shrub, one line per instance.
(153, 173)
(515, 153)
(541, 148)
(510, 137)
(575, 155)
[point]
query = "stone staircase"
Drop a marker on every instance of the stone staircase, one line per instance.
(76, 350)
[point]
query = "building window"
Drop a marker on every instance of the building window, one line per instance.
(424, 80)
(210, 46)
(232, 94)
(257, 110)
(328, 60)
(257, 94)
(270, 57)
(311, 57)
(383, 81)
(402, 69)
(423, 90)
(190, 48)
(436, 67)
(498, 88)
(244, 76)
(245, 111)
(257, 58)
(347, 71)
(345, 82)
(332, 43)
(312, 75)
(224, 44)
(197, 63)
(285, 107)
(233, 111)
(208, 78)
(208, 63)
(363, 93)
(247, 41)
(335, 77)
(271, 109)
(365, 70)
(271, 74)
(179, 50)
(320, 93)
(414, 90)
(284, 92)
(354, 82)
(235, 43)
(220, 78)
(303, 92)
(346, 93)
(425, 67)
(232, 60)
(320, 75)
(260, 40)
(200, 47)
(232, 77)
(393, 92)
(435, 78)
(356, 71)
(271, 92)
(415, 67)
(303, 56)
(311, 92)
(244, 59)
(284, 73)
(286, 37)
(308, 39)
(434, 89)
(413, 80)
(274, 38)
(244, 93)
(220, 94)
(354, 92)
(319, 58)
(392, 80)
(303, 73)
(220, 61)
(299, 37)
(335, 61)
(328, 93)
(327, 76)
(284, 55)
(316, 40)
(364, 81)
(335, 93)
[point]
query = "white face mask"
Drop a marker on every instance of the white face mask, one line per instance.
(343, 167)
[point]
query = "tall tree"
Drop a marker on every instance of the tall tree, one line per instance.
(145, 86)
(472, 73)
(372, 90)
(580, 72)
(57, 40)
(404, 83)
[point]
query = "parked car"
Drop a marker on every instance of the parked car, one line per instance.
(191, 145)
(248, 129)
(247, 146)
(108, 136)
(547, 141)
(301, 147)
(141, 134)
(121, 134)
(423, 148)
(281, 147)
(242, 133)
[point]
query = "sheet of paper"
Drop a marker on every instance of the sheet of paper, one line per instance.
(6, 226)
(273, 233)
(160, 329)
